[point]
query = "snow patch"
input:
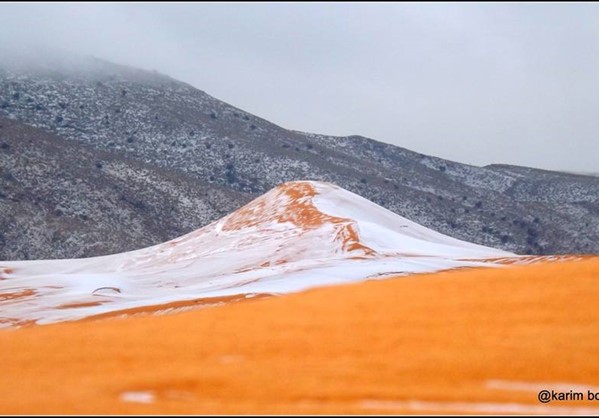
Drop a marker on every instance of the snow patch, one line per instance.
(139, 397)
(297, 236)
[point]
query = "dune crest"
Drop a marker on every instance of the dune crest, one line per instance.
(299, 235)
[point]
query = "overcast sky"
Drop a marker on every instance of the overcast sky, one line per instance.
(476, 83)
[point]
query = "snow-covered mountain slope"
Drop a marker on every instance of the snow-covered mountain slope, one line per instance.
(298, 235)
(125, 118)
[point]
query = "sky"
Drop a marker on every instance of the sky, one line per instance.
(483, 83)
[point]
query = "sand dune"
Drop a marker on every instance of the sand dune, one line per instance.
(438, 331)
(297, 236)
(471, 340)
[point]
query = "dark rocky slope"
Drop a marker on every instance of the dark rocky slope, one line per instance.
(144, 122)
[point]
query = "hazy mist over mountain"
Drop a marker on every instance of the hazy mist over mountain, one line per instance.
(480, 83)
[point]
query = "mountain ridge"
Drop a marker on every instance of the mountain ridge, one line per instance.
(175, 127)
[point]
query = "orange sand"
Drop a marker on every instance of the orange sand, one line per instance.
(173, 306)
(16, 295)
(363, 348)
(300, 211)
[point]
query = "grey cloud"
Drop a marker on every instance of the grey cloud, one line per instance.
(476, 83)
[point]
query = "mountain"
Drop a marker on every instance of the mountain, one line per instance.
(296, 236)
(61, 199)
(145, 119)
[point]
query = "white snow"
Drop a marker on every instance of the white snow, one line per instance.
(479, 407)
(384, 231)
(539, 386)
(139, 397)
(255, 250)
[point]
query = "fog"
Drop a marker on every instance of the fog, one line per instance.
(476, 83)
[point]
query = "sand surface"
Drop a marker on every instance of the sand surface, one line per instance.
(470, 340)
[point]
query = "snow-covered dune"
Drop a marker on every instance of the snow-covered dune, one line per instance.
(298, 235)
